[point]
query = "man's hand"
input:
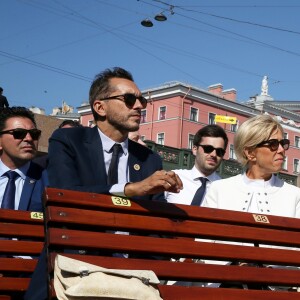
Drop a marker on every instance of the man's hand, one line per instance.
(158, 182)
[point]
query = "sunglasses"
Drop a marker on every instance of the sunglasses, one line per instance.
(20, 133)
(209, 149)
(129, 99)
(273, 144)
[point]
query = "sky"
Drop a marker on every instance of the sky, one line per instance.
(50, 50)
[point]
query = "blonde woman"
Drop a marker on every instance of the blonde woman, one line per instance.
(260, 147)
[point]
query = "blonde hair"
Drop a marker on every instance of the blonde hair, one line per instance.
(252, 132)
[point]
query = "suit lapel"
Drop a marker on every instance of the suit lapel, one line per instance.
(26, 193)
(134, 164)
(95, 151)
(28, 187)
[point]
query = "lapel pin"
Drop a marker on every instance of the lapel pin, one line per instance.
(137, 167)
(31, 181)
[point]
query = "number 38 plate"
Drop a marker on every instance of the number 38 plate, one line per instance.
(261, 218)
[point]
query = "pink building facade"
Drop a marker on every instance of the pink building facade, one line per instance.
(176, 111)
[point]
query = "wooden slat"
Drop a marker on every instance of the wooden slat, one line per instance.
(191, 293)
(207, 230)
(68, 198)
(182, 271)
(19, 216)
(17, 265)
(21, 230)
(5, 297)
(12, 247)
(169, 247)
(10, 284)
(168, 292)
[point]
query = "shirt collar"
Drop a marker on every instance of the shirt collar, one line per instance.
(22, 171)
(196, 174)
(107, 143)
(259, 183)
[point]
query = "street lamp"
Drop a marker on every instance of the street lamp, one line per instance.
(160, 17)
(147, 23)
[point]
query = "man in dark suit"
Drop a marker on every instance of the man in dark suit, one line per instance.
(18, 146)
(3, 99)
(80, 158)
(83, 158)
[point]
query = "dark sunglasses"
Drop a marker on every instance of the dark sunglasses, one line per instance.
(20, 133)
(273, 144)
(129, 99)
(209, 149)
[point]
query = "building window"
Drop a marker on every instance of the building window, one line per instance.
(296, 165)
(194, 114)
(297, 141)
(191, 141)
(162, 113)
(234, 127)
(161, 138)
(231, 152)
(143, 116)
(91, 123)
(285, 135)
(211, 118)
(285, 164)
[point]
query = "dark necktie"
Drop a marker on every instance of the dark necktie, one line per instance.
(112, 175)
(197, 200)
(8, 200)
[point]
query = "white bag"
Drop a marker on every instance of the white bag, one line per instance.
(76, 280)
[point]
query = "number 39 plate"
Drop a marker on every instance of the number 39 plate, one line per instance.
(120, 201)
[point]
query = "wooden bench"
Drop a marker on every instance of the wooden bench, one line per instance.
(21, 234)
(84, 221)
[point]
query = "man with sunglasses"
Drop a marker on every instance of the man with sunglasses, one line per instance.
(84, 158)
(209, 147)
(22, 181)
(102, 159)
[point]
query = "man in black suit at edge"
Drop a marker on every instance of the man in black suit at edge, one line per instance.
(80, 158)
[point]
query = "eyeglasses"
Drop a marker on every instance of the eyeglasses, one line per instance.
(273, 144)
(209, 149)
(20, 133)
(129, 99)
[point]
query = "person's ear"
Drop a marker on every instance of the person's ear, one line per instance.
(100, 107)
(250, 154)
(194, 150)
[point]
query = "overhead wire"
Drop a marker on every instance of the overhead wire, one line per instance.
(67, 11)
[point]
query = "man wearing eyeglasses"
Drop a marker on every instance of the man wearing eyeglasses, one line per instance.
(102, 159)
(22, 182)
(209, 147)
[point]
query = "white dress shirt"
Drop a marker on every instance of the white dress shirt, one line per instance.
(191, 183)
(19, 181)
(123, 170)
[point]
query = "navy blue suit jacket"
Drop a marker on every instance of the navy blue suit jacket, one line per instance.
(34, 185)
(76, 162)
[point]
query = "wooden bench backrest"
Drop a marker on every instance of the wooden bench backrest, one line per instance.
(84, 221)
(21, 234)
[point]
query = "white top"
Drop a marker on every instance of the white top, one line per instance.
(191, 183)
(239, 193)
